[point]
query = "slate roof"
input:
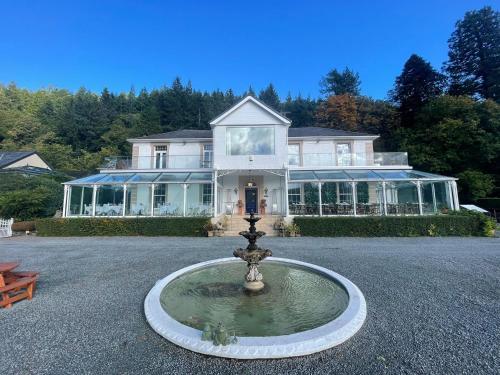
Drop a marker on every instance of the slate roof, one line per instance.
(9, 157)
(310, 131)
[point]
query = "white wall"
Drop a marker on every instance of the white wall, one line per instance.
(32, 160)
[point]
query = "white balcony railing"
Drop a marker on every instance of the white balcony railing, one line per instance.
(156, 162)
(351, 159)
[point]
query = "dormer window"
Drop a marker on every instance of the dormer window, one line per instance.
(250, 141)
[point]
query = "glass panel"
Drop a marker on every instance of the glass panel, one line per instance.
(169, 200)
(294, 154)
(344, 154)
(402, 198)
(199, 200)
(200, 177)
(109, 200)
(138, 200)
(302, 175)
(115, 178)
(294, 199)
(250, 141)
(324, 160)
(369, 198)
(332, 175)
(143, 177)
(88, 179)
(80, 201)
(436, 197)
(173, 177)
(363, 175)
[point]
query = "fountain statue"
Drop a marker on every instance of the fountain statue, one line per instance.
(253, 255)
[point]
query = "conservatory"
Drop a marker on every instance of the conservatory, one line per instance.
(369, 192)
(140, 194)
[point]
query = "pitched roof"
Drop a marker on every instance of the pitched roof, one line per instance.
(9, 157)
(314, 131)
(309, 131)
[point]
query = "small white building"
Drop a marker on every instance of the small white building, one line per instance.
(27, 162)
(253, 161)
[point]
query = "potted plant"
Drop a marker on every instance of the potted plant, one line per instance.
(209, 229)
(292, 230)
(240, 207)
(263, 206)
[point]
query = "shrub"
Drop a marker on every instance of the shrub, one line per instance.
(23, 226)
(121, 227)
(459, 224)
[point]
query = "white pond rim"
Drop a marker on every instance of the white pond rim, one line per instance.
(297, 344)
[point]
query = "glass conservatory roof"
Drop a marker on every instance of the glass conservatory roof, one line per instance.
(143, 178)
(364, 175)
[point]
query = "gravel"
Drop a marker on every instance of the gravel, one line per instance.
(433, 306)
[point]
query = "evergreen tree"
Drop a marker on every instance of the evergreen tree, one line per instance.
(474, 55)
(270, 97)
(417, 84)
(340, 83)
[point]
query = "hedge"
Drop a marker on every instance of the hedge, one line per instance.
(192, 226)
(402, 226)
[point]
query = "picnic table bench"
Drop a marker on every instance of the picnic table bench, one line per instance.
(15, 286)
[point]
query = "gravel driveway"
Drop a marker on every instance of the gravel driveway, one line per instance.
(433, 306)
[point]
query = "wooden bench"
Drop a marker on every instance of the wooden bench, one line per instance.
(17, 289)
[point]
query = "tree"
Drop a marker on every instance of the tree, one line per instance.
(474, 55)
(338, 112)
(270, 97)
(474, 185)
(417, 84)
(301, 111)
(340, 83)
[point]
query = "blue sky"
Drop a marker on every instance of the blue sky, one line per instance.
(219, 44)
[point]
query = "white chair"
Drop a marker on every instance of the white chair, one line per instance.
(6, 227)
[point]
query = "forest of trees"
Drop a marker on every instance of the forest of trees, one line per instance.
(447, 119)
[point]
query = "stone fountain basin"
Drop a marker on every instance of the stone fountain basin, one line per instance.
(297, 344)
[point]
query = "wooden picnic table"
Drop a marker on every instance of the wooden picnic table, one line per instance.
(6, 267)
(15, 286)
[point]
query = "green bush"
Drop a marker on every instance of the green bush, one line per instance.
(121, 227)
(460, 224)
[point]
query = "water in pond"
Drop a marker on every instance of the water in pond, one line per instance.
(295, 299)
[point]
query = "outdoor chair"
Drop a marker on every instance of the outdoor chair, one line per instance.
(15, 286)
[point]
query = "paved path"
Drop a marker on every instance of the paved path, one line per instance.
(433, 306)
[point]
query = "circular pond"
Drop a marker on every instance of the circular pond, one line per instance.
(303, 308)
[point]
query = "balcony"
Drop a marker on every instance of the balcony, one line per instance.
(156, 162)
(375, 159)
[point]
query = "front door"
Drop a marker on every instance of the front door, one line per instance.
(251, 194)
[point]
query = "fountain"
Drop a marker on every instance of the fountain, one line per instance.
(253, 255)
(284, 308)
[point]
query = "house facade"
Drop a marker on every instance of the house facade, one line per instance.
(253, 161)
(25, 162)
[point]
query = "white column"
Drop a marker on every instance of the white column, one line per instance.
(215, 192)
(94, 195)
(456, 203)
(434, 203)
(287, 210)
(65, 201)
(81, 200)
(384, 193)
(153, 199)
(354, 198)
(319, 200)
(184, 186)
(124, 199)
(419, 193)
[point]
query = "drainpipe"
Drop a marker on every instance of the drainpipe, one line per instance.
(419, 193)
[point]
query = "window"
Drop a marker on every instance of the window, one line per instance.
(161, 156)
(250, 141)
(160, 195)
(344, 154)
(345, 192)
(208, 154)
(294, 154)
(293, 193)
(206, 195)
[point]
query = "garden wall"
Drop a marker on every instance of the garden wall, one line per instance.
(403, 226)
(191, 227)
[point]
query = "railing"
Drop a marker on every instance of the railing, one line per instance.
(156, 162)
(351, 159)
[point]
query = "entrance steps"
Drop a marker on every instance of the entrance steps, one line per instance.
(236, 224)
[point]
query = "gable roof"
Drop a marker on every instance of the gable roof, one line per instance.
(315, 131)
(9, 157)
(181, 134)
(246, 99)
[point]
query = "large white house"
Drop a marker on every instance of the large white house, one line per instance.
(253, 161)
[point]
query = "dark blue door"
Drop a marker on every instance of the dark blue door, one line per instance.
(251, 200)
